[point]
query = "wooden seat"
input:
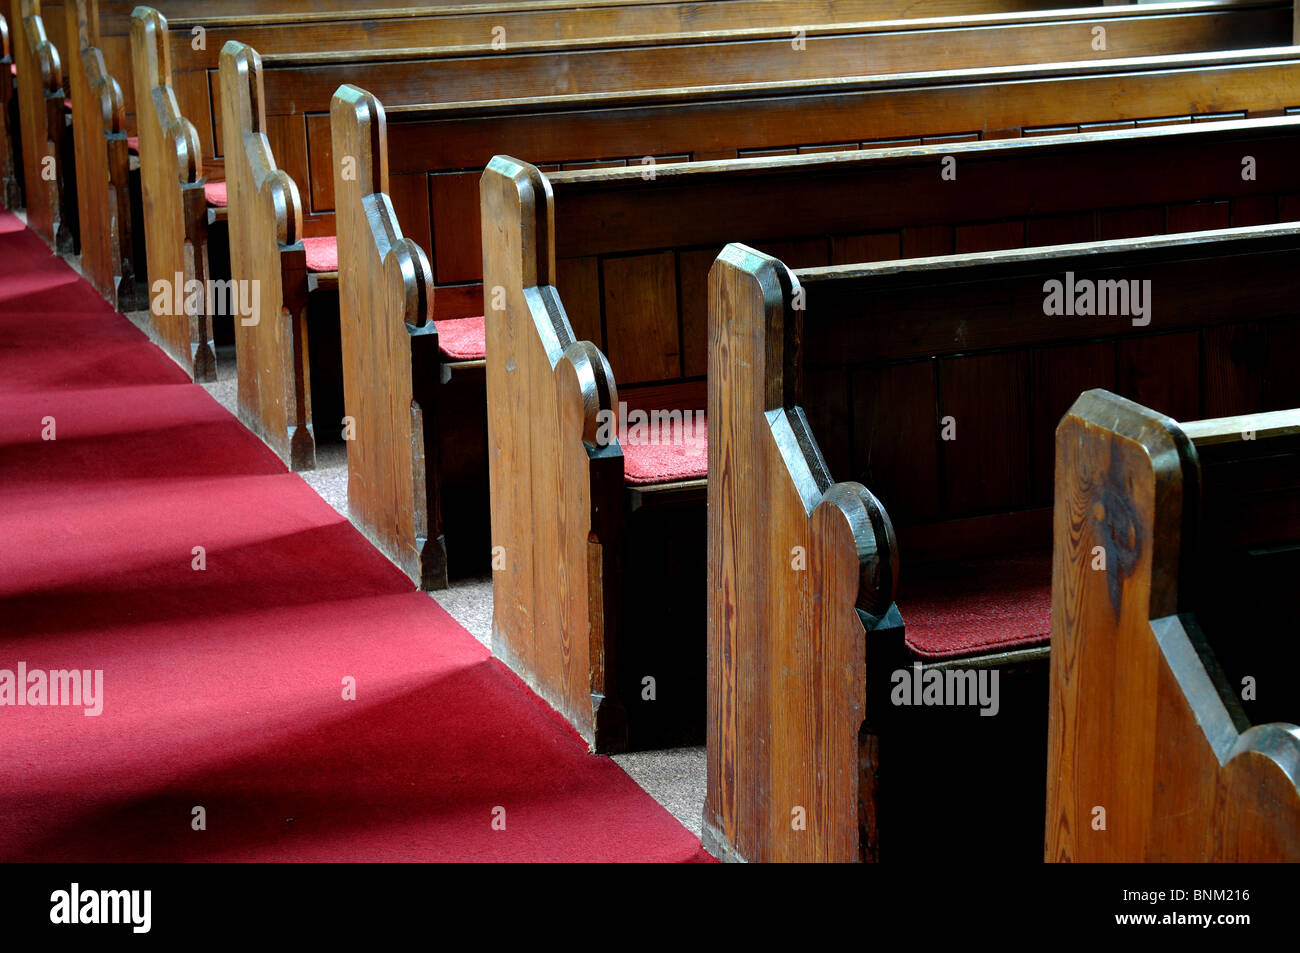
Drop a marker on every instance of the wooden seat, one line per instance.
(1159, 751)
(801, 664)
(609, 268)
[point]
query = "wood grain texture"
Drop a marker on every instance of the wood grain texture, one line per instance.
(867, 317)
(787, 652)
(264, 213)
(390, 354)
(171, 187)
(103, 164)
(40, 109)
(1142, 721)
(557, 482)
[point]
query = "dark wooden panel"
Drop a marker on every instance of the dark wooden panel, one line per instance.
(1130, 222)
(927, 241)
(990, 236)
(1197, 216)
(987, 465)
(879, 246)
(1060, 375)
(1234, 370)
(578, 281)
(641, 317)
(320, 154)
(895, 439)
(693, 279)
(410, 197)
(1061, 229)
(1147, 375)
(457, 250)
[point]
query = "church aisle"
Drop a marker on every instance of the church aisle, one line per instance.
(272, 688)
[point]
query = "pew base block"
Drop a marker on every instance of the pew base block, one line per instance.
(430, 563)
(302, 448)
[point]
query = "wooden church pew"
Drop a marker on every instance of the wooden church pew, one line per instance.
(1173, 713)
(193, 84)
(40, 98)
(1133, 30)
(630, 258)
(823, 596)
(103, 166)
(284, 421)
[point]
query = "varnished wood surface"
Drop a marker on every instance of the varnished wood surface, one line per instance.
(983, 312)
(102, 163)
(616, 216)
(173, 203)
(390, 356)
(361, 25)
(264, 215)
(1144, 724)
(40, 109)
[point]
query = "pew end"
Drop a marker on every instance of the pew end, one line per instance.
(777, 523)
(1159, 530)
(171, 187)
(390, 351)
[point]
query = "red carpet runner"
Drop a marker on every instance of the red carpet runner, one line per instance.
(223, 688)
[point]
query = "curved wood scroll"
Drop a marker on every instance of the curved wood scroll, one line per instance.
(40, 110)
(390, 351)
(11, 159)
(266, 257)
(1142, 723)
(787, 672)
(557, 483)
(175, 213)
(103, 162)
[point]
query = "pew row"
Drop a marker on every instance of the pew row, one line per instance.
(627, 258)
(196, 44)
(292, 114)
(804, 659)
(1196, 528)
(40, 99)
(281, 26)
(435, 201)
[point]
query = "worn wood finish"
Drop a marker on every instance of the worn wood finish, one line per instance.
(275, 26)
(266, 254)
(553, 389)
(40, 109)
(984, 310)
(176, 234)
(393, 458)
(1146, 722)
(618, 217)
(102, 162)
(784, 712)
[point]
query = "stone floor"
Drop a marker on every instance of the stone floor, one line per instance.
(675, 777)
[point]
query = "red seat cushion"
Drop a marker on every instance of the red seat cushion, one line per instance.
(13, 68)
(973, 606)
(462, 339)
(67, 104)
(675, 452)
(133, 144)
(322, 253)
(214, 192)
